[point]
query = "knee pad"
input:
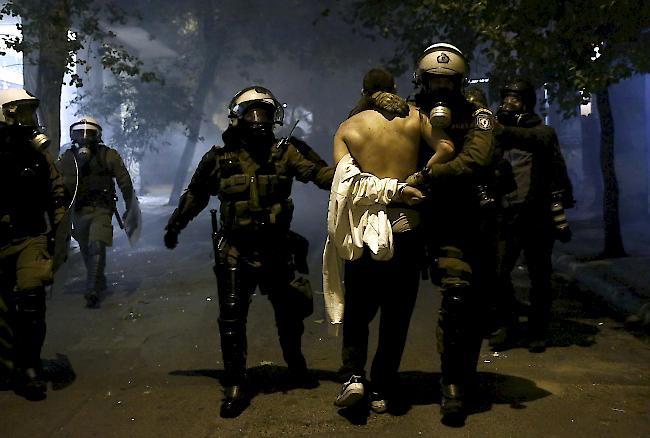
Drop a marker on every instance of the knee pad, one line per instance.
(451, 268)
(96, 248)
(234, 298)
(30, 303)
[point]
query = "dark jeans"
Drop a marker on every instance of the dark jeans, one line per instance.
(389, 287)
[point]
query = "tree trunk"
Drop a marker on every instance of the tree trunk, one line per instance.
(205, 81)
(46, 77)
(613, 239)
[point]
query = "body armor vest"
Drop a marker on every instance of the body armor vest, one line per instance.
(96, 186)
(25, 183)
(253, 194)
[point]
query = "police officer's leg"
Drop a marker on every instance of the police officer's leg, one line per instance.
(505, 306)
(100, 236)
(458, 337)
(7, 282)
(95, 282)
(33, 272)
(235, 284)
(537, 250)
(29, 334)
(80, 229)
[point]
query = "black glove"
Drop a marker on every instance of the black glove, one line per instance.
(171, 236)
(562, 230)
(419, 179)
(51, 243)
(564, 235)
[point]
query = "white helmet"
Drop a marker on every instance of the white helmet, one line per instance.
(10, 101)
(254, 96)
(441, 59)
(86, 130)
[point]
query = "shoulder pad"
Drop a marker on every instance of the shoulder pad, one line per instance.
(483, 119)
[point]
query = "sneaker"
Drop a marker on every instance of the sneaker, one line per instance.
(378, 403)
(351, 392)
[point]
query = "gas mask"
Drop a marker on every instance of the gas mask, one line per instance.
(84, 141)
(440, 114)
(39, 140)
(258, 133)
(33, 136)
(83, 154)
(511, 109)
(21, 116)
(257, 128)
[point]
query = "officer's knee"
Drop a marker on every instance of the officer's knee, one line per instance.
(30, 302)
(456, 296)
(96, 248)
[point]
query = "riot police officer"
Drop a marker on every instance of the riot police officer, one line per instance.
(464, 258)
(89, 169)
(252, 175)
(33, 204)
(532, 215)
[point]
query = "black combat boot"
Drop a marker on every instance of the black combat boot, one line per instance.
(29, 383)
(235, 401)
(29, 334)
(233, 348)
(452, 405)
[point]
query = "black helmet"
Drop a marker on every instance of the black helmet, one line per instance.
(255, 97)
(524, 89)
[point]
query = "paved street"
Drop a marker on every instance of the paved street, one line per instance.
(147, 363)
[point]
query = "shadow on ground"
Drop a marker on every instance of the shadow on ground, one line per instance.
(416, 388)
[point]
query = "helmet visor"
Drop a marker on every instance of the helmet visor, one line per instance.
(259, 114)
(259, 111)
(22, 113)
(84, 136)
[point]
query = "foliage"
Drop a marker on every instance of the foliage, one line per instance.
(86, 21)
(576, 47)
(137, 114)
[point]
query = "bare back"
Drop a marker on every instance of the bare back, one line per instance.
(385, 148)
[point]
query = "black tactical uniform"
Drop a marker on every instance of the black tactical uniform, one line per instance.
(93, 174)
(33, 204)
(528, 222)
(252, 176)
(462, 241)
(461, 236)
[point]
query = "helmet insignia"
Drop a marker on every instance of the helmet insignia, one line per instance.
(443, 58)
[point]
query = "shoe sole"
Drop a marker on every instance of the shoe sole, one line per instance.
(352, 394)
(379, 407)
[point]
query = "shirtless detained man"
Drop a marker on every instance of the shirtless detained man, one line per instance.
(384, 142)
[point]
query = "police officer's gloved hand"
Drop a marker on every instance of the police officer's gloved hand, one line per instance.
(562, 230)
(564, 235)
(171, 236)
(419, 179)
(51, 242)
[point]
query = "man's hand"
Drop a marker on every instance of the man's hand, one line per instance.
(410, 195)
(171, 236)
